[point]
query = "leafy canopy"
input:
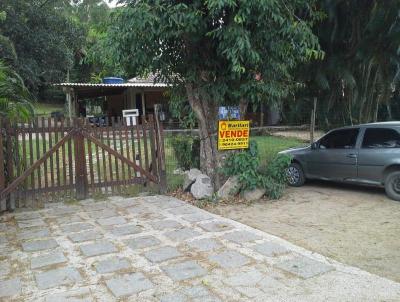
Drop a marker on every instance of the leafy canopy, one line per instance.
(220, 46)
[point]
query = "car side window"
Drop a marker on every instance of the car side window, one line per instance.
(340, 139)
(381, 138)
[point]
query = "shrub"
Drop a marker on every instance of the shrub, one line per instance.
(246, 165)
(187, 151)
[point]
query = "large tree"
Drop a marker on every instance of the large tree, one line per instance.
(360, 72)
(216, 51)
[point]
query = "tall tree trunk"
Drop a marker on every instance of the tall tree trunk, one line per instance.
(206, 113)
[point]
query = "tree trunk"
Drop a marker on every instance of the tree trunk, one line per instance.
(206, 113)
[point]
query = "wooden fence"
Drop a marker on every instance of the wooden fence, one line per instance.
(47, 159)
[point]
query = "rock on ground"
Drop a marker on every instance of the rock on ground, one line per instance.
(230, 188)
(202, 187)
(190, 178)
(253, 195)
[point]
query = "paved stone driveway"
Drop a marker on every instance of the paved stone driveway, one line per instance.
(161, 249)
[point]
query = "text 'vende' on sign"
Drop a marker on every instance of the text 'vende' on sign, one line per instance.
(233, 135)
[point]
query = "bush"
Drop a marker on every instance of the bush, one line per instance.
(246, 165)
(187, 151)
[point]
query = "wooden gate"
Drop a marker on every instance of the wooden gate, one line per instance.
(49, 159)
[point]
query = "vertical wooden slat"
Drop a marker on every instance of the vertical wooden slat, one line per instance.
(160, 151)
(121, 146)
(50, 139)
(44, 146)
(37, 141)
(64, 161)
(109, 155)
(17, 162)
(127, 147)
(3, 204)
(96, 134)
(139, 148)
(10, 162)
(56, 132)
(91, 168)
(70, 160)
(80, 165)
(115, 148)
(103, 154)
(145, 143)
(31, 156)
(152, 145)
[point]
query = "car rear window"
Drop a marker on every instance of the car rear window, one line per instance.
(381, 138)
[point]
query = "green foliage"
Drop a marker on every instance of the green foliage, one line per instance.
(187, 151)
(358, 79)
(15, 100)
(246, 165)
(217, 46)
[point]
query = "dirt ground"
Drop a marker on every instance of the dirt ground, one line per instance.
(355, 225)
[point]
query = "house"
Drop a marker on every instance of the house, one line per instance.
(137, 93)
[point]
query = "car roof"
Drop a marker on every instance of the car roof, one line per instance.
(372, 125)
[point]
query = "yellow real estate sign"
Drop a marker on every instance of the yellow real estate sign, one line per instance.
(233, 135)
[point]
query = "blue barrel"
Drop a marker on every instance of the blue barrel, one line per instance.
(113, 80)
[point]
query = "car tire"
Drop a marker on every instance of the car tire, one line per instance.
(295, 175)
(392, 185)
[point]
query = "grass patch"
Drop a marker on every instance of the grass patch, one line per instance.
(269, 146)
(47, 109)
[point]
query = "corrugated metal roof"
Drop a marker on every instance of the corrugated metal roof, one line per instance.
(146, 84)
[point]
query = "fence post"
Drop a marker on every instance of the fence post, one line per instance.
(81, 182)
(312, 126)
(160, 151)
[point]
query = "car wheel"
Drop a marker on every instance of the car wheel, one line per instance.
(295, 175)
(392, 185)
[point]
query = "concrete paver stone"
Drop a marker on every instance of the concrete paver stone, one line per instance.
(129, 284)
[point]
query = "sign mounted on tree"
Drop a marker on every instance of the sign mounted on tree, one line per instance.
(233, 135)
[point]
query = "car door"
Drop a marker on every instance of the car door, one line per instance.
(380, 147)
(335, 156)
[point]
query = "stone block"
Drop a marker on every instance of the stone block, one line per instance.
(5, 268)
(229, 259)
(270, 249)
(98, 248)
(216, 226)
(304, 267)
(197, 217)
(182, 234)
(27, 216)
(184, 270)
(39, 245)
(183, 210)
(205, 245)
(127, 285)
(126, 230)
(112, 265)
(77, 295)
(142, 242)
(57, 277)
(85, 236)
(31, 223)
(76, 227)
(248, 279)
(104, 213)
(162, 254)
(52, 258)
(111, 221)
(165, 224)
(33, 234)
(10, 287)
(241, 236)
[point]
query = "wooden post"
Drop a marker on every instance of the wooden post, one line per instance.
(10, 163)
(312, 127)
(160, 151)
(81, 182)
(143, 104)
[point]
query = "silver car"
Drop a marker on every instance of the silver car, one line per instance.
(365, 154)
